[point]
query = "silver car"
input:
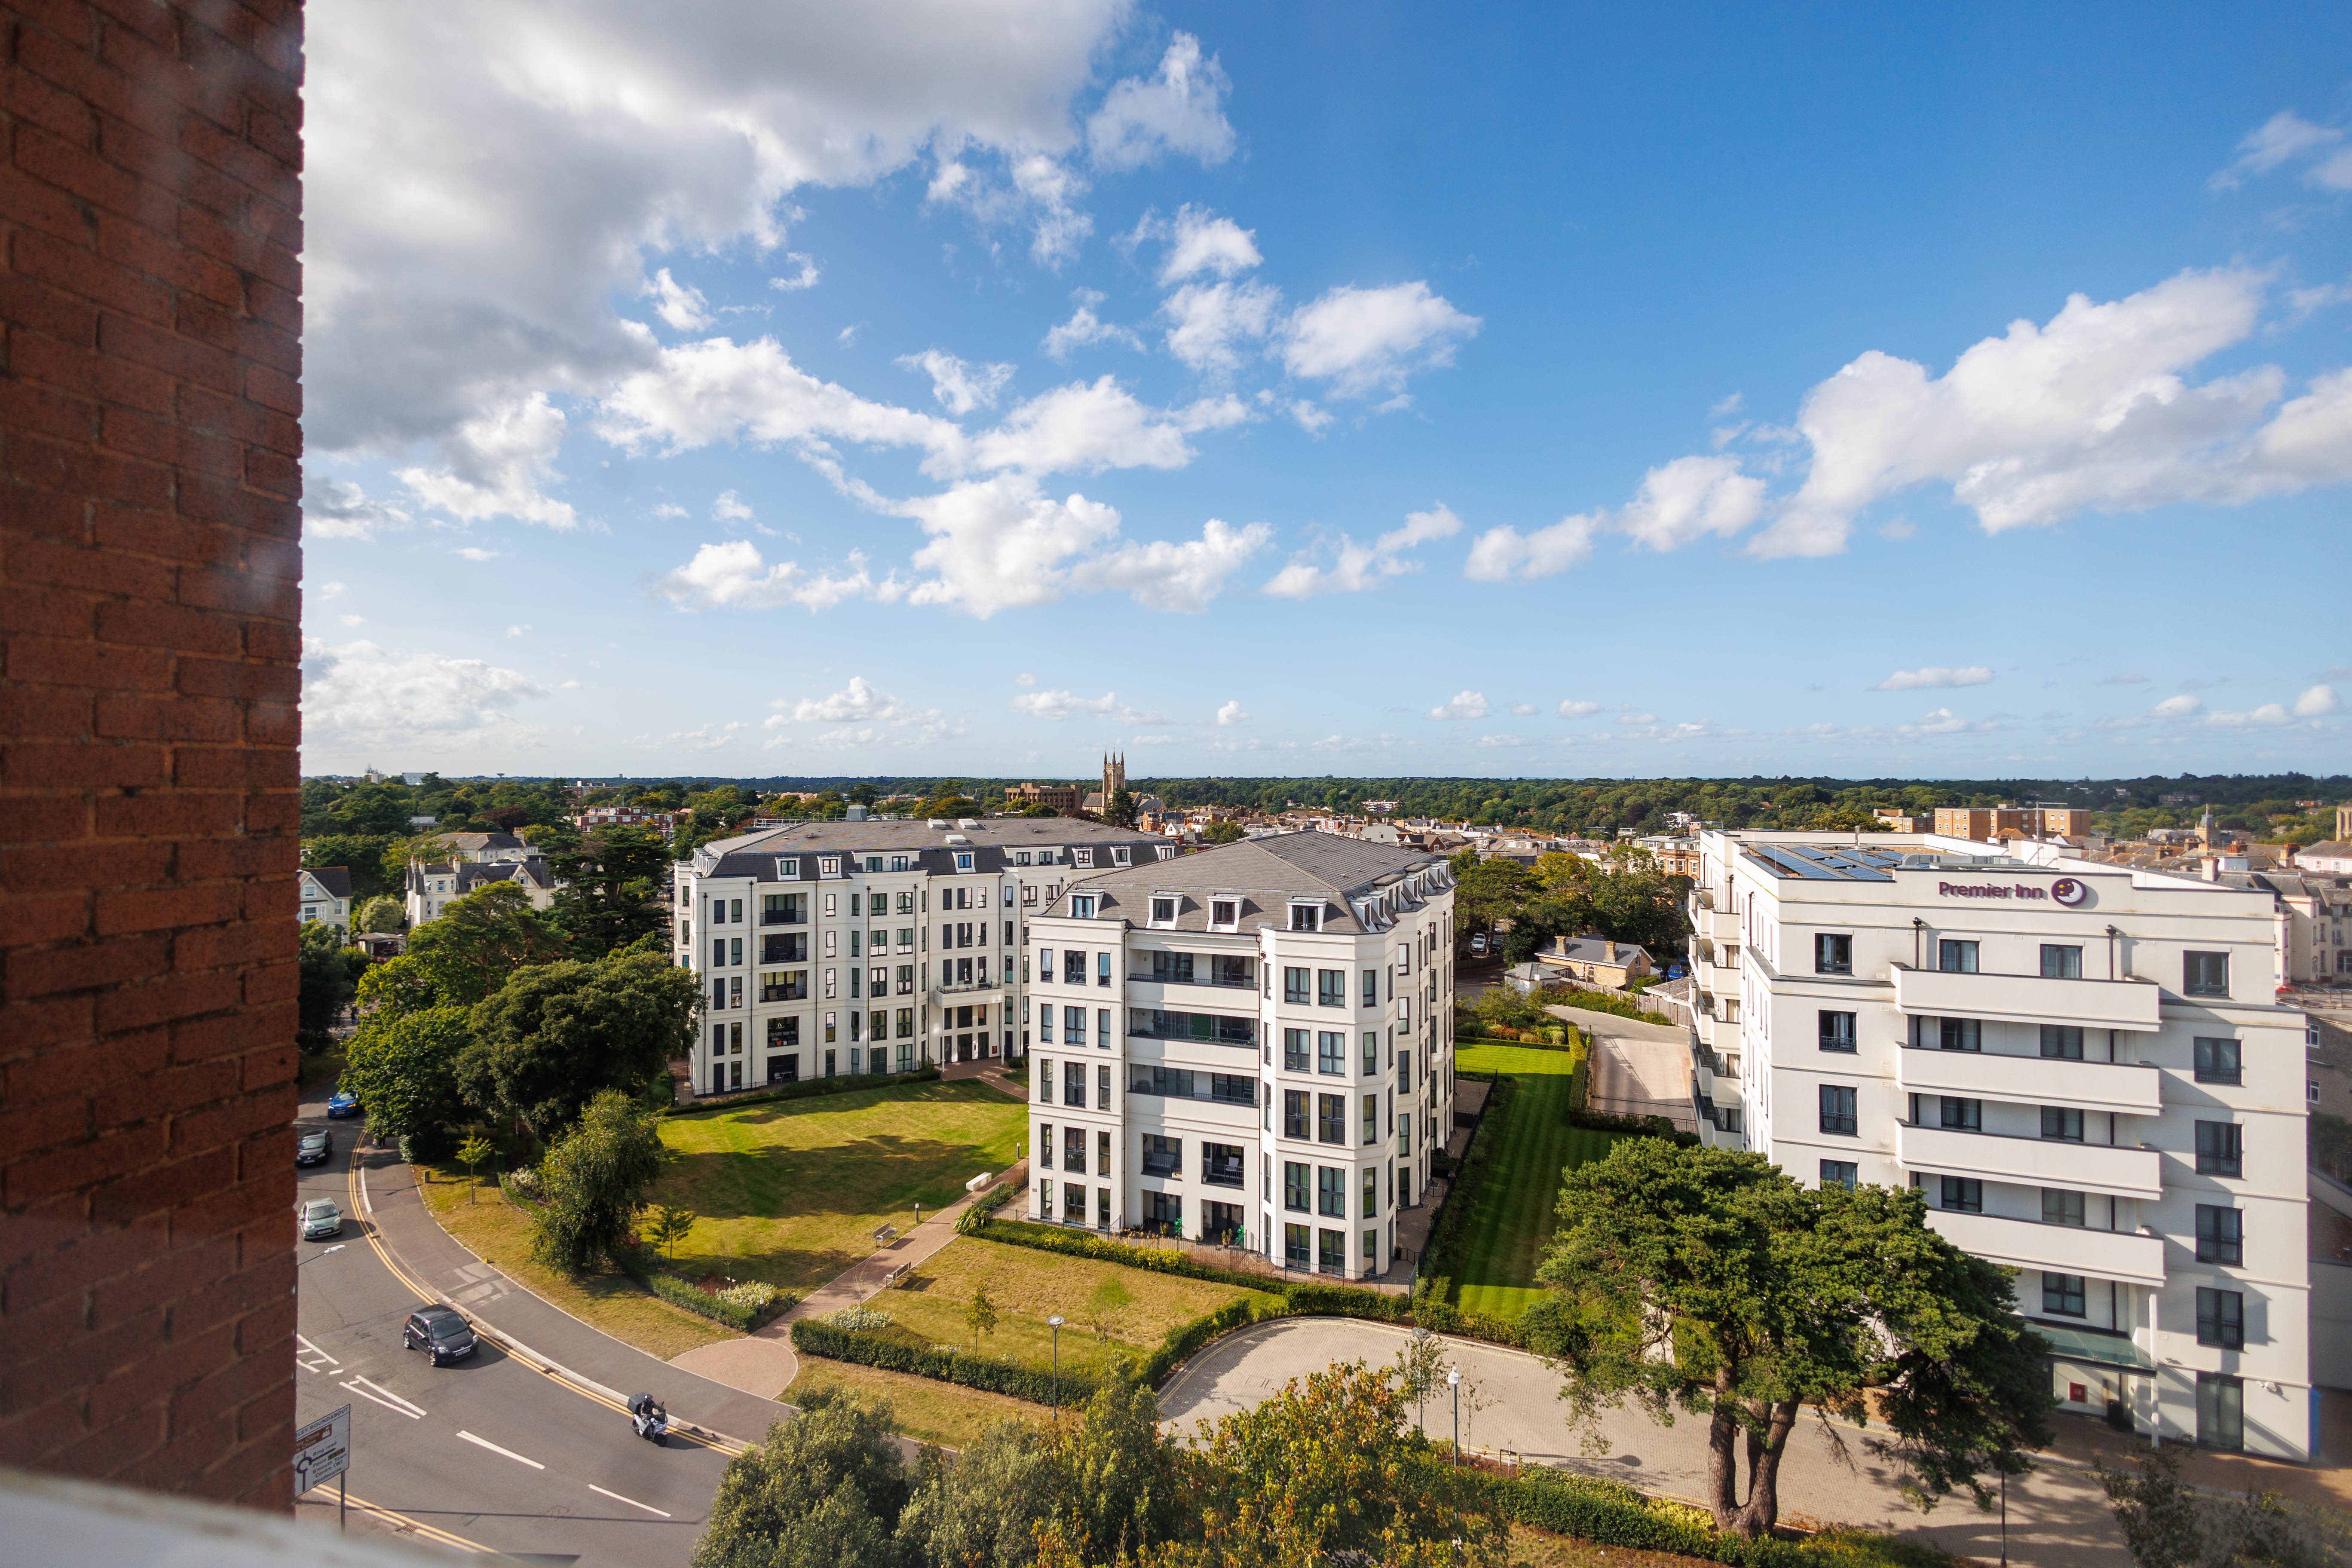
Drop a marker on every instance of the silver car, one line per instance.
(322, 1219)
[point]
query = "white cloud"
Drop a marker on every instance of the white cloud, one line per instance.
(717, 390)
(2270, 715)
(1504, 741)
(2125, 678)
(2318, 701)
(360, 693)
(958, 385)
(1083, 428)
(1062, 705)
(729, 508)
(1571, 709)
(1230, 714)
(1503, 553)
(1085, 328)
(733, 575)
(331, 590)
(2179, 707)
(669, 509)
(1210, 321)
(1367, 340)
(1944, 721)
(1000, 543)
(2286, 137)
(517, 631)
(1524, 710)
(498, 465)
(857, 701)
(1180, 110)
(806, 278)
(712, 737)
(1935, 675)
(475, 553)
(1024, 678)
(1311, 419)
(1175, 575)
(1200, 241)
(1690, 498)
(569, 686)
(334, 509)
(1356, 567)
(353, 620)
(1060, 228)
(680, 305)
(1461, 705)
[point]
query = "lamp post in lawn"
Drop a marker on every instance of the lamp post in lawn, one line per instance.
(1054, 1322)
(1453, 1382)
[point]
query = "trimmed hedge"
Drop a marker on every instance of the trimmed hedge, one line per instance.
(1102, 1249)
(980, 1212)
(1638, 1126)
(1443, 1253)
(678, 1293)
(1185, 1338)
(813, 1338)
(808, 1088)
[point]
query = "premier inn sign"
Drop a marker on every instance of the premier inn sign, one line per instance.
(2065, 890)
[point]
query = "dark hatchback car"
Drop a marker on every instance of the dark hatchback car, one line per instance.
(312, 1149)
(441, 1332)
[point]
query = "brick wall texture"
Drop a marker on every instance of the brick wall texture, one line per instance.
(150, 557)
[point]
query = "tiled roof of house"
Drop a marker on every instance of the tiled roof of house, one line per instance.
(334, 881)
(1267, 875)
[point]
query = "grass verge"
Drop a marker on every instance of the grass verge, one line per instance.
(920, 1409)
(1541, 1549)
(1513, 1210)
(498, 1233)
(791, 1191)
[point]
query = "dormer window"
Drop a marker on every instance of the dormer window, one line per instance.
(1163, 908)
(829, 866)
(898, 862)
(1021, 857)
(1118, 854)
(1224, 914)
(1082, 906)
(789, 866)
(874, 862)
(1167, 851)
(963, 859)
(1306, 916)
(1082, 857)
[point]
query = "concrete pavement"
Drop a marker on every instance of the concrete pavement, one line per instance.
(1639, 1068)
(2057, 1516)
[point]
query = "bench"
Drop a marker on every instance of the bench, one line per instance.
(884, 1235)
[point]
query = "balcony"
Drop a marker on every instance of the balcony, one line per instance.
(2027, 999)
(966, 987)
(2126, 1172)
(2128, 1256)
(2119, 1087)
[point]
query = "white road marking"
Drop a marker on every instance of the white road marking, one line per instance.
(386, 1397)
(367, 1207)
(630, 1500)
(493, 1448)
(308, 1350)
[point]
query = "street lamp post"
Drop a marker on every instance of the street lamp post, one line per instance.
(1054, 1322)
(1453, 1382)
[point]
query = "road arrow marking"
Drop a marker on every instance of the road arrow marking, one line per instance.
(386, 1397)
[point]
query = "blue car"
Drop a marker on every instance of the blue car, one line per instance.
(342, 1102)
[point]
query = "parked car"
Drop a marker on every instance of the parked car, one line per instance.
(1478, 943)
(312, 1149)
(322, 1219)
(441, 1332)
(342, 1102)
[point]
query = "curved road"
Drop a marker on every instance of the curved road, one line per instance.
(496, 1453)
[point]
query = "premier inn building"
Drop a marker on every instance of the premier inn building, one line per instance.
(2081, 1068)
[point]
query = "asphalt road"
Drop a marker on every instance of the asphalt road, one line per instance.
(490, 1454)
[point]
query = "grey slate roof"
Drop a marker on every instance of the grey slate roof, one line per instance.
(1267, 874)
(991, 842)
(335, 880)
(1591, 950)
(475, 843)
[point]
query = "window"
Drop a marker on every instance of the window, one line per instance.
(1293, 1247)
(1163, 914)
(2062, 1123)
(2220, 1149)
(1074, 1149)
(1220, 1164)
(1102, 1095)
(1074, 965)
(1956, 957)
(1371, 987)
(1961, 1194)
(1331, 1192)
(2062, 1041)
(1840, 1173)
(1230, 970)
(2217, 1061)
(1331, 1251)
(1118, 854)
(2221, 1318)
(1294, 1186)
(1044, 1145)
(1224, 914)
(1331, 1119)
(1371, 1119)
(1293, 1050)
(1102, 1028)
(1371, 1052)
(1074, 1084)
(829, 866)
(1082, 906)
(2221, 1411)
(2221, 1235)
(2205, 975)
(1294, 985)
(963, 860)
(1331, 1053)
(1961, 1115)
(1306, 916)
(2060, 963)
(2062, 1294)
(1371, 1202)
(1331, 987)
(1837, 1109)
(1102, 969)
(1074, 1203)
(1837, 1032)
(1073, 1025)
(1832, 954)
(1293, 1113)
(2062, 1207)
(1162, 1156)
(1959, 1035)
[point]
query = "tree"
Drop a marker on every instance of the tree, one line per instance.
(402, 1064)
(1708, 1280)
(671, 1225)
(979, 1317)
(984, 1507)
(827, 1489)
(323, 985)
(362, 854)
(1120, 809)
(1420, 1368)
(382, 914)
(1123, 1488)
(480, 940)
(612, 878)
(1224, 830)
(595, 1179)
(557, 1034)
(472, 1154)
(2167, 1523)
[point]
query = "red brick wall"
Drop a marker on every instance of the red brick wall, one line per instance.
(150, 554)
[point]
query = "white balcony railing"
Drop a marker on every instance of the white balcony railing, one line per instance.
(2119, 1087)
(2129, 1172)
(2027, 998)
(2131, 1256)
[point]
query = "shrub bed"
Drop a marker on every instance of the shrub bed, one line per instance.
(809, 1089)
(742, 1308)
(941, 1363)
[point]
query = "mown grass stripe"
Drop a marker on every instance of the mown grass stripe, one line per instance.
(1514, 1208)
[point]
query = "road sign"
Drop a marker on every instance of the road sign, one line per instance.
(322, 1450)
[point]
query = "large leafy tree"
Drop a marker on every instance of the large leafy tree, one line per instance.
(593, 1180)
(403, 1066)
(480, 940)
(612, 879)
(826, 1490)
(1120, 809)
(555, 1035)
(325, 985)
(362, 854)
(1708, 1281)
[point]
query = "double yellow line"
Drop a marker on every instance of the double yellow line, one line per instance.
(403, 1524)
(426, 1292)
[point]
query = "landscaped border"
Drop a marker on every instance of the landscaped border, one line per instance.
(806, 1088)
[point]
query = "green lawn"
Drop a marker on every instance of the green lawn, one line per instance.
(1514, 1207)
(791, 1191)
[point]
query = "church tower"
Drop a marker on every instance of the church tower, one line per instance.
(1114, 775)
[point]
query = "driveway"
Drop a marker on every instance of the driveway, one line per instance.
(2056, 1515)
(1639, 1068)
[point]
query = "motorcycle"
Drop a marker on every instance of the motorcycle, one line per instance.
(650, 1419)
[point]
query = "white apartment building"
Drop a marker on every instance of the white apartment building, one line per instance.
(1253, 1044)
(827, 948)
(476, 860)
(2082, 1067)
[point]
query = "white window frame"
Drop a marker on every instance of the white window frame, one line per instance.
(1082, 906)
(1233, 904)
(963, 860)
(1175, 909)
(1119, 856)
(1021, 856)
(828, 866)
(1081, 855)
(789, 867)
(1313, 908)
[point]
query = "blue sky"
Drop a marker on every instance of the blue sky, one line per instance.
(1328, 388)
